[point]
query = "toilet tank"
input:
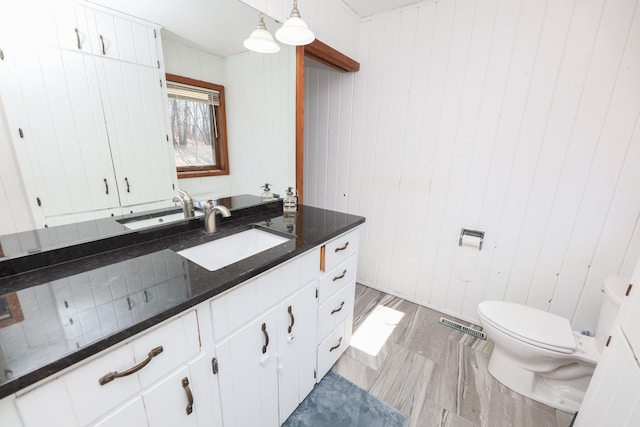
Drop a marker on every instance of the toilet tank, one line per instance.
(614, 289)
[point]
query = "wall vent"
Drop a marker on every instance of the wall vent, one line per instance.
(463, 328)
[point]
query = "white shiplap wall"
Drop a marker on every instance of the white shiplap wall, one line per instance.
(260, 101)
(519, 118)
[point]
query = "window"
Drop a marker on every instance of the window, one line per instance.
(198, 127)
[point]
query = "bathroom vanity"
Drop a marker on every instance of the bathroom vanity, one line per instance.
(137, 334)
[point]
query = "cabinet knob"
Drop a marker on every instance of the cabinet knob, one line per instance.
(292, 319)
(335, 310)
(187, 390)
(102, 48)
(336, 346)
(342, 248)
(341, 276)
(266, 338)
(78, 38)
(113, 375)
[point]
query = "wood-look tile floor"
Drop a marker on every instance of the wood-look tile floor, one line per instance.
(435, 374)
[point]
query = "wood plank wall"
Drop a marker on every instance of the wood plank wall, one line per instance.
(518, 118)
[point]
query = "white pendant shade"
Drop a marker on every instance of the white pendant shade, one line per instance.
(294, 31)
(260, 40)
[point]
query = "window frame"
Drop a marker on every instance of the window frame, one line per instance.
(221, 148)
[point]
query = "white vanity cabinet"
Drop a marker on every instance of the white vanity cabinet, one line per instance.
(613, 396)
(83, 93)
(336, 292)
(264, 332)
(171, 384)
(247, 357)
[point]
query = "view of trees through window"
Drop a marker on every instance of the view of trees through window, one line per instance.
(193, 131)
(198, 127)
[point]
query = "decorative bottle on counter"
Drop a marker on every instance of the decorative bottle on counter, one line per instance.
(267, 194)
(290, 202)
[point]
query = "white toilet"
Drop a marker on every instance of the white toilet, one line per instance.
(538, 355)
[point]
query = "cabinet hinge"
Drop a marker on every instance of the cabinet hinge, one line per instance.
(20, 132)
(628, 290)
(1, 55)
(608, 341)
(38, 201)
(214, 366)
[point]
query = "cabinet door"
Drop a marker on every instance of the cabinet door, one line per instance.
(248, 376)
(131, 97)
(297, 325)
(612, 398)
(188, 397)
(64, 142)
(48, 404)
(171, 401)
(131, 414)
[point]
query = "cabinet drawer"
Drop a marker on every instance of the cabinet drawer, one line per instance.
(333, 346)
(335, 310)
(179, 340)
(336, 279)
(340, 248)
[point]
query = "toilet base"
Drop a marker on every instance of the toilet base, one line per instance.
(561, 388)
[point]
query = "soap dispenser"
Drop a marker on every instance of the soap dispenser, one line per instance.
(267, 194)
(290, 202)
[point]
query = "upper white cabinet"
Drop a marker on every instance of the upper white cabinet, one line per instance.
(84, 98)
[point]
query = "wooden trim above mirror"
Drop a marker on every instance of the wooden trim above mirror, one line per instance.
(327, 55)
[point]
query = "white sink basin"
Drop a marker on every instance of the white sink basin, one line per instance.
(222, 252)
(158, 220)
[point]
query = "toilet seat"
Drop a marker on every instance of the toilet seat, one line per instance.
(536, 327)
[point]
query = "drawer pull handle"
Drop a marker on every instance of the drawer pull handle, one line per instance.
(293, 319)
(126, 180)
(335, 310)
(337, 345)
(344, 272)
(266, 338)
(78, 38)
(342, 248)
(113, 375)
(185, 385)
(104, 52)
(106, 186)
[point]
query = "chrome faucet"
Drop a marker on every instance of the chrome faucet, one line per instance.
(187, 203)
(210, 215)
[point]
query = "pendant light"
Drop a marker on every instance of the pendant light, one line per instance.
(294, 31)
(261, 40)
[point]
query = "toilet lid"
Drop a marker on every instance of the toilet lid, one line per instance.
(530, 325)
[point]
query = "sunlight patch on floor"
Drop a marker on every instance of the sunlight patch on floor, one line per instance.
(376, 329)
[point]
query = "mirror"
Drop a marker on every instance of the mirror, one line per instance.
(203, 40)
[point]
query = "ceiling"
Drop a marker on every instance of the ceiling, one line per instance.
(364, 8)
(215, 26)
(219, 26)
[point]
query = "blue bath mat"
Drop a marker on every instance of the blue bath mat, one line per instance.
(337, 402)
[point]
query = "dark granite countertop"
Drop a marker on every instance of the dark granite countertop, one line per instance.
(62, 305)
